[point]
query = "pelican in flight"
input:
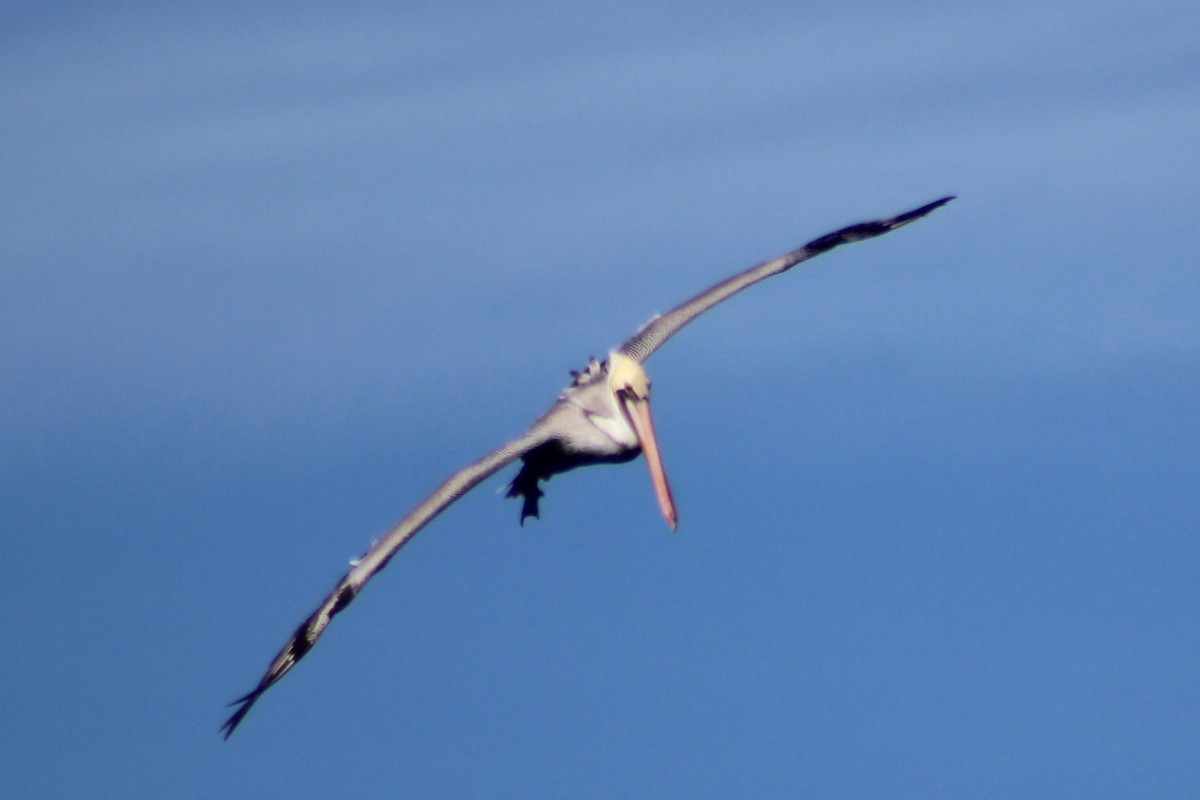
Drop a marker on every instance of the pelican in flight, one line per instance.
(602, 417)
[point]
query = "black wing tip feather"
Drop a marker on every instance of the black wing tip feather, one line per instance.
(917, 213)
(247, 701)
(244, 704)
(292, 652)
(867, 230)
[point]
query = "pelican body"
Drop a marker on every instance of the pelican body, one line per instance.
(603, 416)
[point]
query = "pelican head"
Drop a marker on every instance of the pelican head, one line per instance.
(631, 387)
(627, 375)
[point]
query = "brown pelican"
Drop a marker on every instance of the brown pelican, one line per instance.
(602, 417)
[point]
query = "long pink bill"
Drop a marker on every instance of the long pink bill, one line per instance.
(643, 426)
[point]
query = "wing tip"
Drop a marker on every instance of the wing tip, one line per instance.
(296, 648)
(917, 213)
(244, 703)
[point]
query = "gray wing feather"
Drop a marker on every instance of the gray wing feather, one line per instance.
(377, 557)
(658, 330)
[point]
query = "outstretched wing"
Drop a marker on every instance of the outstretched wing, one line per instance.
(658, 330)
(377, 557)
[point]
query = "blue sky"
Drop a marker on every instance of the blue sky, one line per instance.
(271, 272)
